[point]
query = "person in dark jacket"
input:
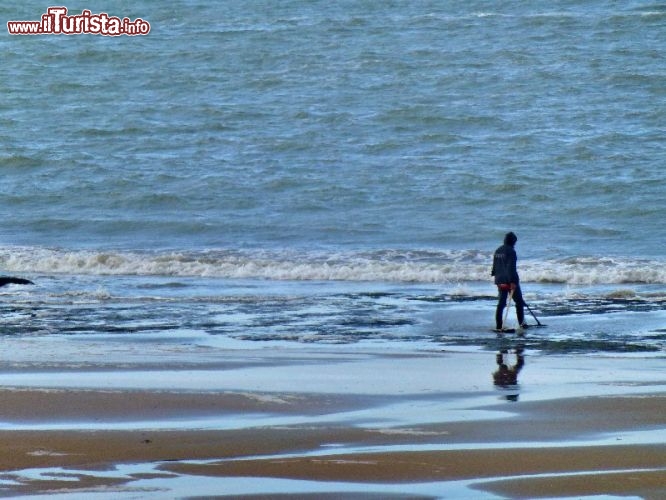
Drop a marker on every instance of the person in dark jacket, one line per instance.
(507, 280)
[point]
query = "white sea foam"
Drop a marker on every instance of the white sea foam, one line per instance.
(415, 266)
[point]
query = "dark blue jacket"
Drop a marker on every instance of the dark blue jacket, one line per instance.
(504, 265)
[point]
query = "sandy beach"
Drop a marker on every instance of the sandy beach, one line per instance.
(307, 422)
(260, 244)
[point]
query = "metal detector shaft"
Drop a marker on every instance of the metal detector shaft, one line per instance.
(533, 315)
(508, 306)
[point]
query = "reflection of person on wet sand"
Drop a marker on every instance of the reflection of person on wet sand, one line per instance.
(507, 375)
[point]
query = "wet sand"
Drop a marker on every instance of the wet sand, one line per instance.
(307, 423)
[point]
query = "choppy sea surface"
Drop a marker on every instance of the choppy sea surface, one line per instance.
(337, 172)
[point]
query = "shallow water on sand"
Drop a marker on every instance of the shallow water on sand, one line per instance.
(254, 313)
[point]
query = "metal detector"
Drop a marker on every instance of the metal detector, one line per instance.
(539, 323)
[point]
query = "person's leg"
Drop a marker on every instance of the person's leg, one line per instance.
(501, 303)
(520, 305)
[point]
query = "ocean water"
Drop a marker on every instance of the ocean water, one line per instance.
(333, 171)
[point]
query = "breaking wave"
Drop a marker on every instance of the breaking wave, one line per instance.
(404, 266)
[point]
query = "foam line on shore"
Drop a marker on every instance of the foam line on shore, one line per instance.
(388, 265)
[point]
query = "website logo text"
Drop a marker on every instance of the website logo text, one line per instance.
(56, 21)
